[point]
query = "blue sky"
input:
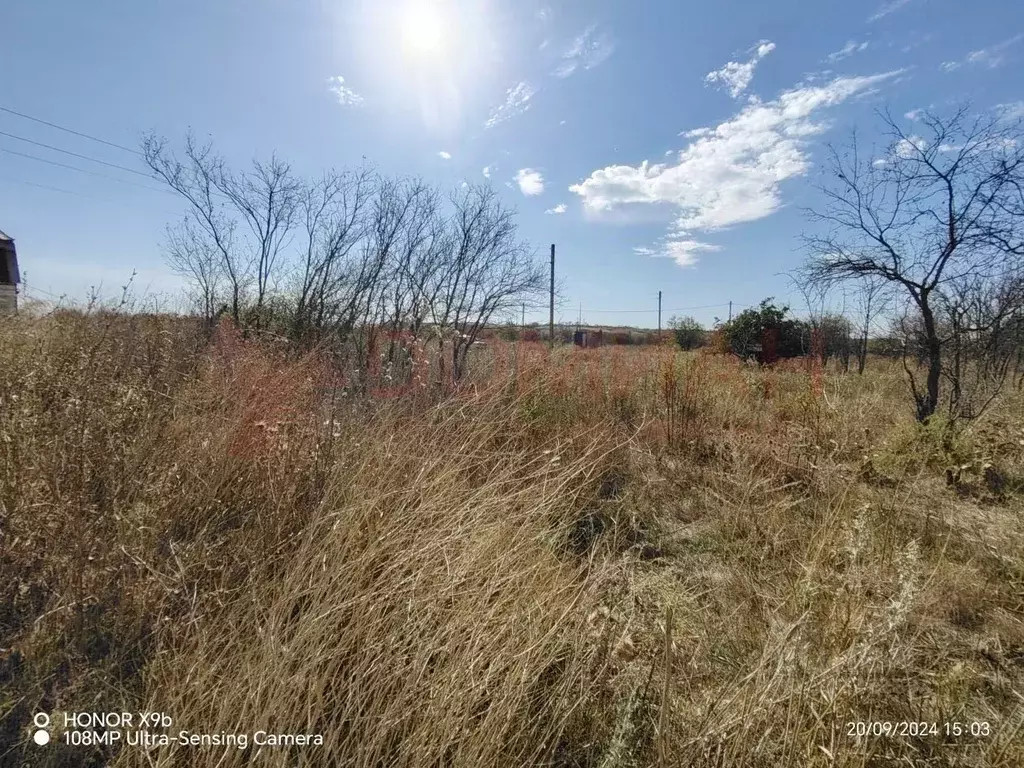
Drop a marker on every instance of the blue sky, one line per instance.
(662, 145)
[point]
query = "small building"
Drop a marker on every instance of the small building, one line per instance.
(9, 275)
(588, 337)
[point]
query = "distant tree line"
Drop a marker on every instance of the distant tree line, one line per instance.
(769, 332)
(982, 341)
(929, 237)
(566, 334)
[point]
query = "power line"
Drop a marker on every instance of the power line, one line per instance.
(69, 130)
(72, 192)
(82, 170)
(623, 311)
(75, 154)
(83, 157)
(654, 311)
(45, 186)
(32, 289)
(704, 306)
(148, 176)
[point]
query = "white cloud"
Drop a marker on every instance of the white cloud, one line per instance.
(913, 146)
(558, 210)
(910, 146)
(888, 8)
(344, 94)
(736, 76)
(516, 102)
(914, 114)
(588, 50)
(995, 55)
(879, 162)
(681, 250)
(684, 251)
(848, 50)
(444, 155)
(530, 182)
(991, 57)
(487, 171)
(696, 133)
(729, 174)
(1011, 111)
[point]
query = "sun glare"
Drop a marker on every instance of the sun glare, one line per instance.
(423, 30)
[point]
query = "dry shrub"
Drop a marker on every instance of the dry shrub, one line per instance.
(227, 533)
(400, 579)
(84, 406)
(425, 617)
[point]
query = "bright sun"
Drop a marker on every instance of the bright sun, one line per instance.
(423, 30)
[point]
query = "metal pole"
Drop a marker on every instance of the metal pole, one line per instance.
(659, 315)
(551, 315)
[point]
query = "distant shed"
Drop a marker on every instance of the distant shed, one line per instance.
(588, 337)
(10, 277)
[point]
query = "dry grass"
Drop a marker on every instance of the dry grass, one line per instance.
(604, 557)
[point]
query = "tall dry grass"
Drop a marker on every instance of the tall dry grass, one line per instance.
(601, 557)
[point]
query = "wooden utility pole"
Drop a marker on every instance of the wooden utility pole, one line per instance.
(522, 325)
(551, 315)
(659, 315)
(730, 311)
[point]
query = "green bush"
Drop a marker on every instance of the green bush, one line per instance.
(753, 331)
(689, 333)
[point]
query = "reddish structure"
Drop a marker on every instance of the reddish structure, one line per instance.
(769, 353)
(588, 338)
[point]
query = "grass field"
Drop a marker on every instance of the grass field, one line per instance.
(605, 557)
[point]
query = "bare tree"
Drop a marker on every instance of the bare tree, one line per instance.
(196, 180)
(191, 254)
(396, 208)
(835, 331)
(978, 318)
(372, 254)
(830, 325)
(872, 299)
(487, 271)
(412, 258)
(934, 212)
(265, 201)
(333, 215)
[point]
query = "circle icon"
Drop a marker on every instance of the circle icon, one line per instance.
(41, 719)
(41, 737)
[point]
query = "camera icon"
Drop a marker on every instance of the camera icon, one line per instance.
(41, 720)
